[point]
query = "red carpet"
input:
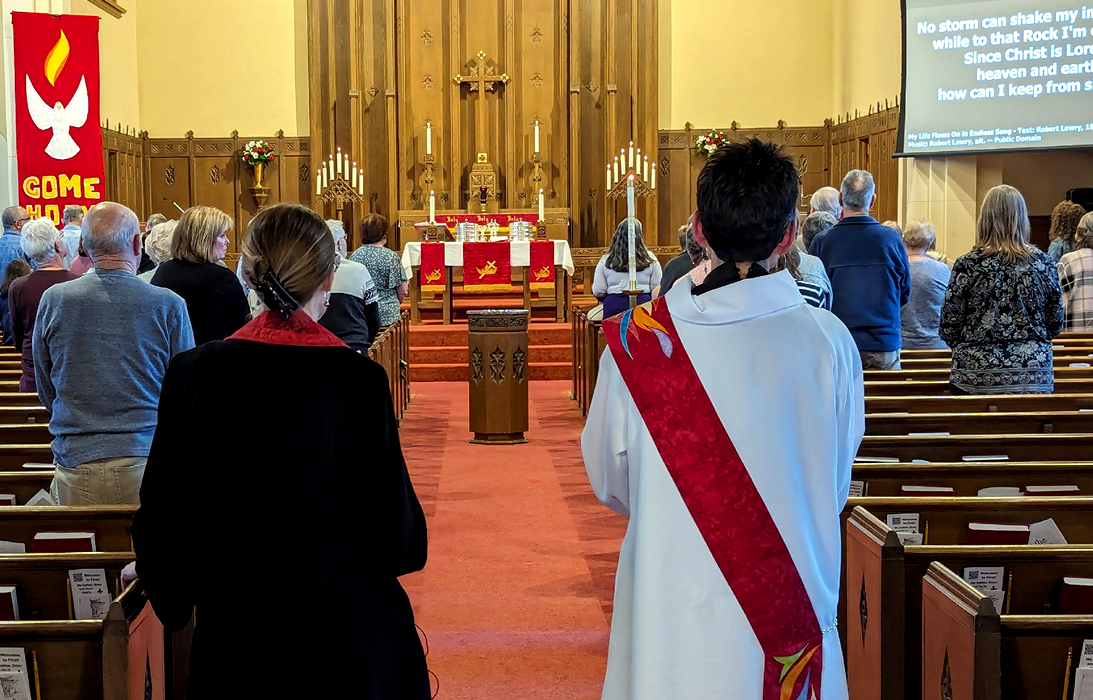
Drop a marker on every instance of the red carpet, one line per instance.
(516, 597)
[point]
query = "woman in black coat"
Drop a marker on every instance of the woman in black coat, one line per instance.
(279, 502)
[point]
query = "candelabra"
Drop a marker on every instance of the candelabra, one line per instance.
(339, 184)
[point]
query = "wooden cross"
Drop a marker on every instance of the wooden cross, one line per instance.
(481, 80)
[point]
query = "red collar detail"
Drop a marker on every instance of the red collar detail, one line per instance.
(299, 330)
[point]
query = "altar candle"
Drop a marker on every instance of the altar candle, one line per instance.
(637, 163)
(616, 167)
(360, 183)
(330, 165)
(326, 177)
(609, 178)
(339, 160)
(646, 175)
(630, 228)
(653, 182)
(319, 184)
(536, 135)
(428, 138)
(354, 183)
(432, 207)
(622, 160)
(542, 206)
(631, 166)
(347, 167)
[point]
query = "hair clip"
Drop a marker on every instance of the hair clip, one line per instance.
(276, 297)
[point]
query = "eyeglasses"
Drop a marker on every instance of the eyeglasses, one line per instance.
(21, 221)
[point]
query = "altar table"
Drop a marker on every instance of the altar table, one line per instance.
(519, 257)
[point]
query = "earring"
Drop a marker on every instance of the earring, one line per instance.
(327, 300)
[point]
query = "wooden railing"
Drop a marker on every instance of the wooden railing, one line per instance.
(391, 349)
(588, 345)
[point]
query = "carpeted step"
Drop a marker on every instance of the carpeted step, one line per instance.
(439, 335)
(455, 354)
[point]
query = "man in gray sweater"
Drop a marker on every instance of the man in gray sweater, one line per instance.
(101, 347)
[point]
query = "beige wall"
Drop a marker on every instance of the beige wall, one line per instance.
(118, 65)
(868, 54)
(753, 61)
(215, 66)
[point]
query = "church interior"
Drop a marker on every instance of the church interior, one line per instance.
(476, 123)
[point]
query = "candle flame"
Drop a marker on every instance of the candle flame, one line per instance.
(57, 58)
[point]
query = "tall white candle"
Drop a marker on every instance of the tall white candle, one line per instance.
(326, 177)
(645, 175)
(319, 183)
(630, 231)
(432, 207)
(631, 161)
(360, 183)
(609, 178)
(616, 167)
(536, 135)
(637, 163)
(354, 183)
(339, 160)
(428, 138)
(542, 206)
(346, 167)
(653, 182)
(330, 167)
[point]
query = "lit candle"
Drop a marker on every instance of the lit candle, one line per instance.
(630, 228)
(542, 206)
(326, 177)
(609, 178)
(360, 183)
(631, 161)
(319, 184)
(616, 167)
(347, 167)
(354, 175)
(339, 160)
(536, 135)
(622, 160)
(637, 163)
(330, 165)
(432, 207)
(645, 176)
(653, 182)
(428, 138)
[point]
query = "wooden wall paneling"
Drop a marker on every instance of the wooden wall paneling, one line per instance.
(874, 134)
(589, 109)
(456, 112)
(574, 93)
(675, 183)
(371, 139)
(124, 182)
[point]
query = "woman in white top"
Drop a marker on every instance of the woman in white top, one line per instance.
(613, 271)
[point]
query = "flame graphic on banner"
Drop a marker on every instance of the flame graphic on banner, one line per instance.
(57, 58)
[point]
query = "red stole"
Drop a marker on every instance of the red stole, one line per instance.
(299, 330)
(721, 497)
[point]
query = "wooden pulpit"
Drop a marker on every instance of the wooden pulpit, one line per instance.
(499, 376)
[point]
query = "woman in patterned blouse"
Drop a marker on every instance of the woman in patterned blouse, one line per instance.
(1003, 306)
(384, 265)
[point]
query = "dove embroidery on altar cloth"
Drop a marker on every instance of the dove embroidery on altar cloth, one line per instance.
(59, 118)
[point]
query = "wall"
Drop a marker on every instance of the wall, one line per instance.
(217, 66)
(867, 54)
(118, 103)
(753, 61)
(1044, 178)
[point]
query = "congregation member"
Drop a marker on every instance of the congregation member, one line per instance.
(71, 218)
(921, 317)
(1076, 279)
(612, 277)
(826, 200)
(384, 266)
(817, 222)
(1064, 226)
(815, 294)
(725, 570)
(82, 263)
(215, 300)
(870, 276)
(157, 244)
(101, 347)
(352, 312)
(680, 265)
(147, 264)
(46, 248)
(319, 504)
(1003, 306)
(16, 269)
(14, 218)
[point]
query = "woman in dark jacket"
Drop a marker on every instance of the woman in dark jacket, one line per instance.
(214, 298)
(288, 537)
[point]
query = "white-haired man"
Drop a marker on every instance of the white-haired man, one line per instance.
(44, 245)
(72, 218)
(354, 312)
(827, 199)
(101, 348)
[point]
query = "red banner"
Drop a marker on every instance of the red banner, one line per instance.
(487, 267)
(434, 274)
(58, 138)
(541, 268)
(503, 220)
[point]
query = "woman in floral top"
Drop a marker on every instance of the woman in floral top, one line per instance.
(1003, 306)
(384, 265)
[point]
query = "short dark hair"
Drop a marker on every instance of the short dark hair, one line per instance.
(747, 196)
(373, 228)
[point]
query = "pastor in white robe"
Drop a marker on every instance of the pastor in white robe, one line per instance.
(786, 381)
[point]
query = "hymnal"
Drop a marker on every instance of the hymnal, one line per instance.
(997, 533)
(1000, 492)
(1045, 532)
(14, 681)
(12, 547)
(1075, 596)
(905, 526)
(857, 489)
(876, 460)
(938, 434)
(42, 498)
(56, 542)
(1079, 364)
(7, 499)
(988, 581)
(9, 603)
(90, 594)
(39, 465)
(986, 458)
(927, 490)
(1070, 490)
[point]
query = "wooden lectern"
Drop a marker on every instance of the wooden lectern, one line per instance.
(499, 376)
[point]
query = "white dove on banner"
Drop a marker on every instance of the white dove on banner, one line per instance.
(60, 119)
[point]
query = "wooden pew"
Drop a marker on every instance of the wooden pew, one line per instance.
(939, 387)
(109, 523)
(19, 398)
(971, 423)
(1071, 358)
(43, 592)
(391, 350)
(884, 578)
(954, 448)
(1002, 403)
(111, 659)
(933, 375)
(24, 484)
(967, 478)
(25, 433)
(969, 651)
(13, 457)
(588, 346)
(24, 414)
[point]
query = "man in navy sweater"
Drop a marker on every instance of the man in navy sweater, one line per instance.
(869, 271)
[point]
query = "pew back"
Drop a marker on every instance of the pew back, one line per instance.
(109, 523)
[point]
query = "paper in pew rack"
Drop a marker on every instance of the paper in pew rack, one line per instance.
(90, 594)
(1086, 659)
(1045, 532)
(12, 547)
(14, 680)
(42, 498)
(986, 458)
(876, 460)
(857, 489)
(906, 527)
(1000, 492)
(988, 581)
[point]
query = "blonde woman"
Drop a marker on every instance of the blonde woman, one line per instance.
(157, 244)
(1003, 306)
(214, 297)
(1076, 278)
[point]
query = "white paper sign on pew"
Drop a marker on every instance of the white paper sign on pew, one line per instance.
(1083, 678)
(14, 680)
(988, 581)
(905, 526)
(1045, 532)
(90, 594)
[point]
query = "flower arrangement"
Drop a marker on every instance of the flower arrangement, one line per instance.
(707, 144)
(258, 153)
